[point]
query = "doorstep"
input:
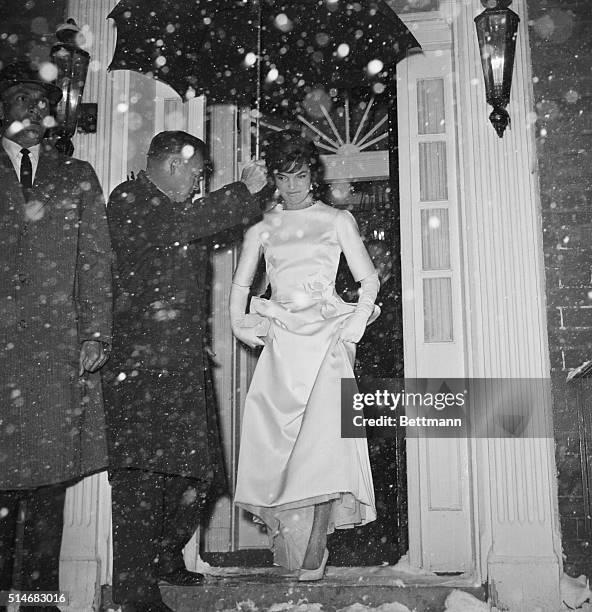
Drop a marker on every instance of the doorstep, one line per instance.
(250, 589)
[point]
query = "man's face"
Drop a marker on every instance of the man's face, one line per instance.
(189, 173)
(25, 108)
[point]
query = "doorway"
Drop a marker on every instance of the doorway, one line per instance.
(437, 471)
(356, 132)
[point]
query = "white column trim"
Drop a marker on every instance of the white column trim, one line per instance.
(506, 326)
(85, 562)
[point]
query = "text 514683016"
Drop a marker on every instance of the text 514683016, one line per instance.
(33, 598)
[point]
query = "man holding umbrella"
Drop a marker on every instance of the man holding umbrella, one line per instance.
(55, 329)
(163, 442)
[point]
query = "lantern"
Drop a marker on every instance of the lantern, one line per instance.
(72, 65)
(497, 27)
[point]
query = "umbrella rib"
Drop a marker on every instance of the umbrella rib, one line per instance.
(373, 141)
(331, 124)
(317, 131)
(370, 132)
(363, 121)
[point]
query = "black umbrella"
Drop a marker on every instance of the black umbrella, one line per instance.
(212, 46)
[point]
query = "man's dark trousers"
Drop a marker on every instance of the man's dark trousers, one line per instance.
(154, 516)
(35, 517)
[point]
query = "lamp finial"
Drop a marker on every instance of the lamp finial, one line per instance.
(496, 4)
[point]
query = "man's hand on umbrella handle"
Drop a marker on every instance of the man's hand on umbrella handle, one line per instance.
(254, 176)
(92, 356)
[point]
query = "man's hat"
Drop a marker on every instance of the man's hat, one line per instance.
(22, 72)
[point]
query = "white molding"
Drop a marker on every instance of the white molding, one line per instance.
(86, 556)
(80, 563)
(431, 28)
(106, 150)
(514, 480)
(196, 117)
(372, 165)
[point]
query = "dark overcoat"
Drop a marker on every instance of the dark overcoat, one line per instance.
(55, 293)
(158, 413)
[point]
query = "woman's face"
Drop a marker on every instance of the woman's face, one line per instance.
(294, 186)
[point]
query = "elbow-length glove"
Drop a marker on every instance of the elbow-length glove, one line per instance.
(354, 327)
(239, 321)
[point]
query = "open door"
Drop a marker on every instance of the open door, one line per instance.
(438, 469)
(357, 138)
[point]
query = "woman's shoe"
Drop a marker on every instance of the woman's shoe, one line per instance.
(314, 574)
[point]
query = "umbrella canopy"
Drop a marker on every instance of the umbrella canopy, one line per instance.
(212, 46)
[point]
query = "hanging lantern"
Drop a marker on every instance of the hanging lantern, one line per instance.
(72, 64)
(497, 27)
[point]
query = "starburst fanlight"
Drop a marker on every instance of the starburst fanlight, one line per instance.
(332, 141)
(351, 130)
(365, 136)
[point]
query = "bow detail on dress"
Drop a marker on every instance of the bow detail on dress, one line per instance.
(293, 309)
(323, 292)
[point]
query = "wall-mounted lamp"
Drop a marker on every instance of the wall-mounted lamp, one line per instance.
(497, 27)
(72, 64)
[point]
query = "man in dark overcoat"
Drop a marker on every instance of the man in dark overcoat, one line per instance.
(55, 328)
(163, 449)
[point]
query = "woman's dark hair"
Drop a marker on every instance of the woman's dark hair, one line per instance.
(288, 151)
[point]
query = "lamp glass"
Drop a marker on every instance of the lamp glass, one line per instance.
(72, 64)
(496, 32)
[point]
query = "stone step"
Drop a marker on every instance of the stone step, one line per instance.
(258, 590)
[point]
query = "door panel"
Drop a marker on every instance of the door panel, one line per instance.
(438, 474)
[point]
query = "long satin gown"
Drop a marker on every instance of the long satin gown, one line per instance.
(291, 453)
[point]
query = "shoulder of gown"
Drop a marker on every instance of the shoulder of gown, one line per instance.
(254, 230)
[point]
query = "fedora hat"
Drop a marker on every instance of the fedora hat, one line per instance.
(22, 72)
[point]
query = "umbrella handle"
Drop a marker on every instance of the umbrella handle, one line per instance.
(258, 100)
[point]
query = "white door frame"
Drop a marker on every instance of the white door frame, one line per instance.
(497, 184)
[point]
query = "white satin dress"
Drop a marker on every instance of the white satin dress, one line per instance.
(292, 455)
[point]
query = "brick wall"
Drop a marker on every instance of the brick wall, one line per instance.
(561, 47)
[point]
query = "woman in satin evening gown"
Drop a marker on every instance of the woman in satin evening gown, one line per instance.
(295, 472)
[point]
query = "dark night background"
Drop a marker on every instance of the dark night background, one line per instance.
(28, 28)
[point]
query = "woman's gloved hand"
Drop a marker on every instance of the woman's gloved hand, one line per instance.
(354, 327)
(246, 333)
